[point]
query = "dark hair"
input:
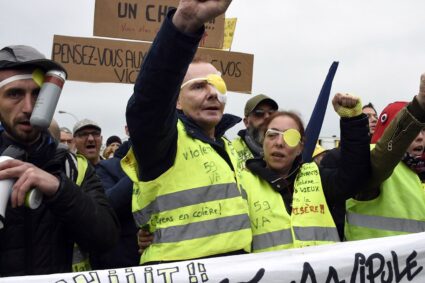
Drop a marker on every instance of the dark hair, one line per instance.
(289, 114)
(370, 105)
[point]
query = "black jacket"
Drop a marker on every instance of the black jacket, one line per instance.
(40, 241)
(118, 189)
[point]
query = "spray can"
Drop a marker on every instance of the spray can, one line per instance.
(5, 191)
(48, 98)
(33, 197)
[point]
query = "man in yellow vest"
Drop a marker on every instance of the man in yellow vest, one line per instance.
(185, 173)
(397, 205)
(248, 143)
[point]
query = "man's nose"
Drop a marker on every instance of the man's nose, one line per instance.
(212, 91)
(28, 103)
(267, 114)
(90, 137)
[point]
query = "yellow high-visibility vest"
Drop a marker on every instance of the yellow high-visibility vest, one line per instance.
(195, 208)
(243, 151)
(399, 209)
(310, 222)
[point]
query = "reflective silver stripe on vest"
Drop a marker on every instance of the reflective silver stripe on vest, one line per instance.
(316, 234)
(386, 223)
(272, 239)
(202, 229)
(186, 198)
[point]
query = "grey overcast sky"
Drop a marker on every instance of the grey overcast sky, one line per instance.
(380, 45)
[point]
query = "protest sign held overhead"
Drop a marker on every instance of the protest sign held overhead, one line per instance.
(116, 61)
(142, 19)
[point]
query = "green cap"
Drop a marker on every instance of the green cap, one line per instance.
(253, 102)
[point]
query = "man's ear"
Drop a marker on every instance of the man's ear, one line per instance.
(178, 104)
(245, 121)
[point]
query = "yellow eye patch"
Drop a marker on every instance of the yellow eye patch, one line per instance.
(218, 82)
(38, 76)
(291, 137)
(213, 79)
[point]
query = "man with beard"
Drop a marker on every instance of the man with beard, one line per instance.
(248, 144)
(41, 241)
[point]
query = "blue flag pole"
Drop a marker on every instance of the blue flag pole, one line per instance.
(314, 126)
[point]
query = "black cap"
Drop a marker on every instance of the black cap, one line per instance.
(17, 56)
(113, 139)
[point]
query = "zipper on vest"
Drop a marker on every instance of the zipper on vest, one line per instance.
(394, 137)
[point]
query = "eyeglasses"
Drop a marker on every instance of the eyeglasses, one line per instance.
(291, 137)
(86, 134)
(260, 113)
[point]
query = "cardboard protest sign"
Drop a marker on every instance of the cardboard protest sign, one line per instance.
(116, 61)
(391, 260)
(141, 20)
(229, 31)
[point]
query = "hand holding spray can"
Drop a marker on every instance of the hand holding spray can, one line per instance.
(33, 197)
(48, 98)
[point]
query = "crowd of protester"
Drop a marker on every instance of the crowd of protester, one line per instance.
(178, 189)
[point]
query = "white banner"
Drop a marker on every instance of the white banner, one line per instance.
(392, 259)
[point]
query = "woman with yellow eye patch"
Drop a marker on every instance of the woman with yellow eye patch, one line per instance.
(289, 200)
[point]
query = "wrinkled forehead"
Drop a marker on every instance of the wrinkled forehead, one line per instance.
(11, 76)
(199, 70)
(4, 74)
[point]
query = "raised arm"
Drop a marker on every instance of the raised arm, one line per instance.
(353, 167)
(397, 137)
